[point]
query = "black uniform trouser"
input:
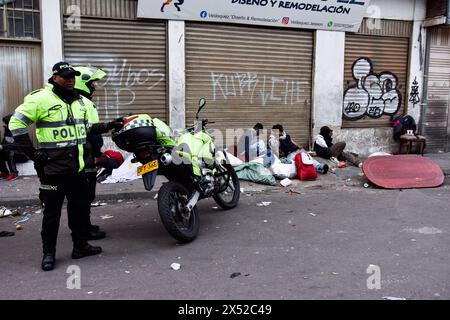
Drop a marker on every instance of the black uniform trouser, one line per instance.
(54, 189)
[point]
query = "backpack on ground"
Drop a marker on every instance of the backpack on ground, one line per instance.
(305, 167)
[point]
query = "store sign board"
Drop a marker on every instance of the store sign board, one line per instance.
(336, 15)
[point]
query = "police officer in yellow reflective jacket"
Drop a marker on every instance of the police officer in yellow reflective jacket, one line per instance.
(85, 86)
(61, 119)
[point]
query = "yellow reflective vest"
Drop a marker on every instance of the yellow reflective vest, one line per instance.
(61, 128)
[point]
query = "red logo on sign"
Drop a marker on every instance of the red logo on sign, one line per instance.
(285, 20)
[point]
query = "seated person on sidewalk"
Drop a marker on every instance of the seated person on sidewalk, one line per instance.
(8, 154)
(108, 161)
(250, 145)
(289, 149)
(324, 147)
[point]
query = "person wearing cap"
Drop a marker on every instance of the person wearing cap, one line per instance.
(85, 86)
(61, 118)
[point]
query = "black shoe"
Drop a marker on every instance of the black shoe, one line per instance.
(96, 235)
(95, 228)
(85, 251)
(48, 262)
(325, 169)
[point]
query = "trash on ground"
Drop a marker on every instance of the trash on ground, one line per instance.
(393, 298)
(95, 204)
(120, 200)
(155, 197)
(312, 214)
(265, 221)
(366, 185)
(175, 266)
(424, 230)
(6, 234)
(18, 227)
(37, 212)
(236, 274)
(107, 216)
(286, 182)
(264, 204)
(103, 204)
(291, 192)
(26, 217)
(125, 173)
(342, 165)
(4, 212)
(127, 272)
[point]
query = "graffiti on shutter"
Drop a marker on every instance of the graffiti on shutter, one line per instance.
(374, 95)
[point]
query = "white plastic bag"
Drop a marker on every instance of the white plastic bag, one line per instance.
(234, 161)
(126, 172)
(282, 170)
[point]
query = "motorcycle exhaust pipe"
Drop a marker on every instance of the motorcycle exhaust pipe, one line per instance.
(166, 159)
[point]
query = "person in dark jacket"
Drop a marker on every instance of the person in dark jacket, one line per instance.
(324, 147)
(9, 155)
(289, 149)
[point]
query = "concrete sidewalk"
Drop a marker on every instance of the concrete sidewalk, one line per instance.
(24, 191)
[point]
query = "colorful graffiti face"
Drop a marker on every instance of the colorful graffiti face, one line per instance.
(374, 95)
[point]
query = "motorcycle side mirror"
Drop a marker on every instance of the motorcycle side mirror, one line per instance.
(201, 105)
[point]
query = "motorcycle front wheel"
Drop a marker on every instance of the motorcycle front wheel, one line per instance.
(172, 198)
(228, 197)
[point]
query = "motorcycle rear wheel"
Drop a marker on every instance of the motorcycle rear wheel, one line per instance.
(233, 189)
(171, 198)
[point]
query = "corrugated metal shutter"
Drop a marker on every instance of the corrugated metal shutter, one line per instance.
(133, 53)
(112, 9)
(436, 121)
(20, 73)
(388, 49)
(250, 75)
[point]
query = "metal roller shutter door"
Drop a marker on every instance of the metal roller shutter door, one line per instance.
(388, 49)
(20, 73)
(133, 53)
(436, 122)
(250, 75)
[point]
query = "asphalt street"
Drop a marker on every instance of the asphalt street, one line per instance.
(321, 244)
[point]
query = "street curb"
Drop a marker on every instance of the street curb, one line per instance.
(99, 197)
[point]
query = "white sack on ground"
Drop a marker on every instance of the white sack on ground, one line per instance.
(126, 172)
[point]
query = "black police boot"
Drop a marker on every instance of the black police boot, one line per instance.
(96, 235)
(48, 262)
(95, 228)
(86, 250)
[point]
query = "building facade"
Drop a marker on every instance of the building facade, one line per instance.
(301, 78)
